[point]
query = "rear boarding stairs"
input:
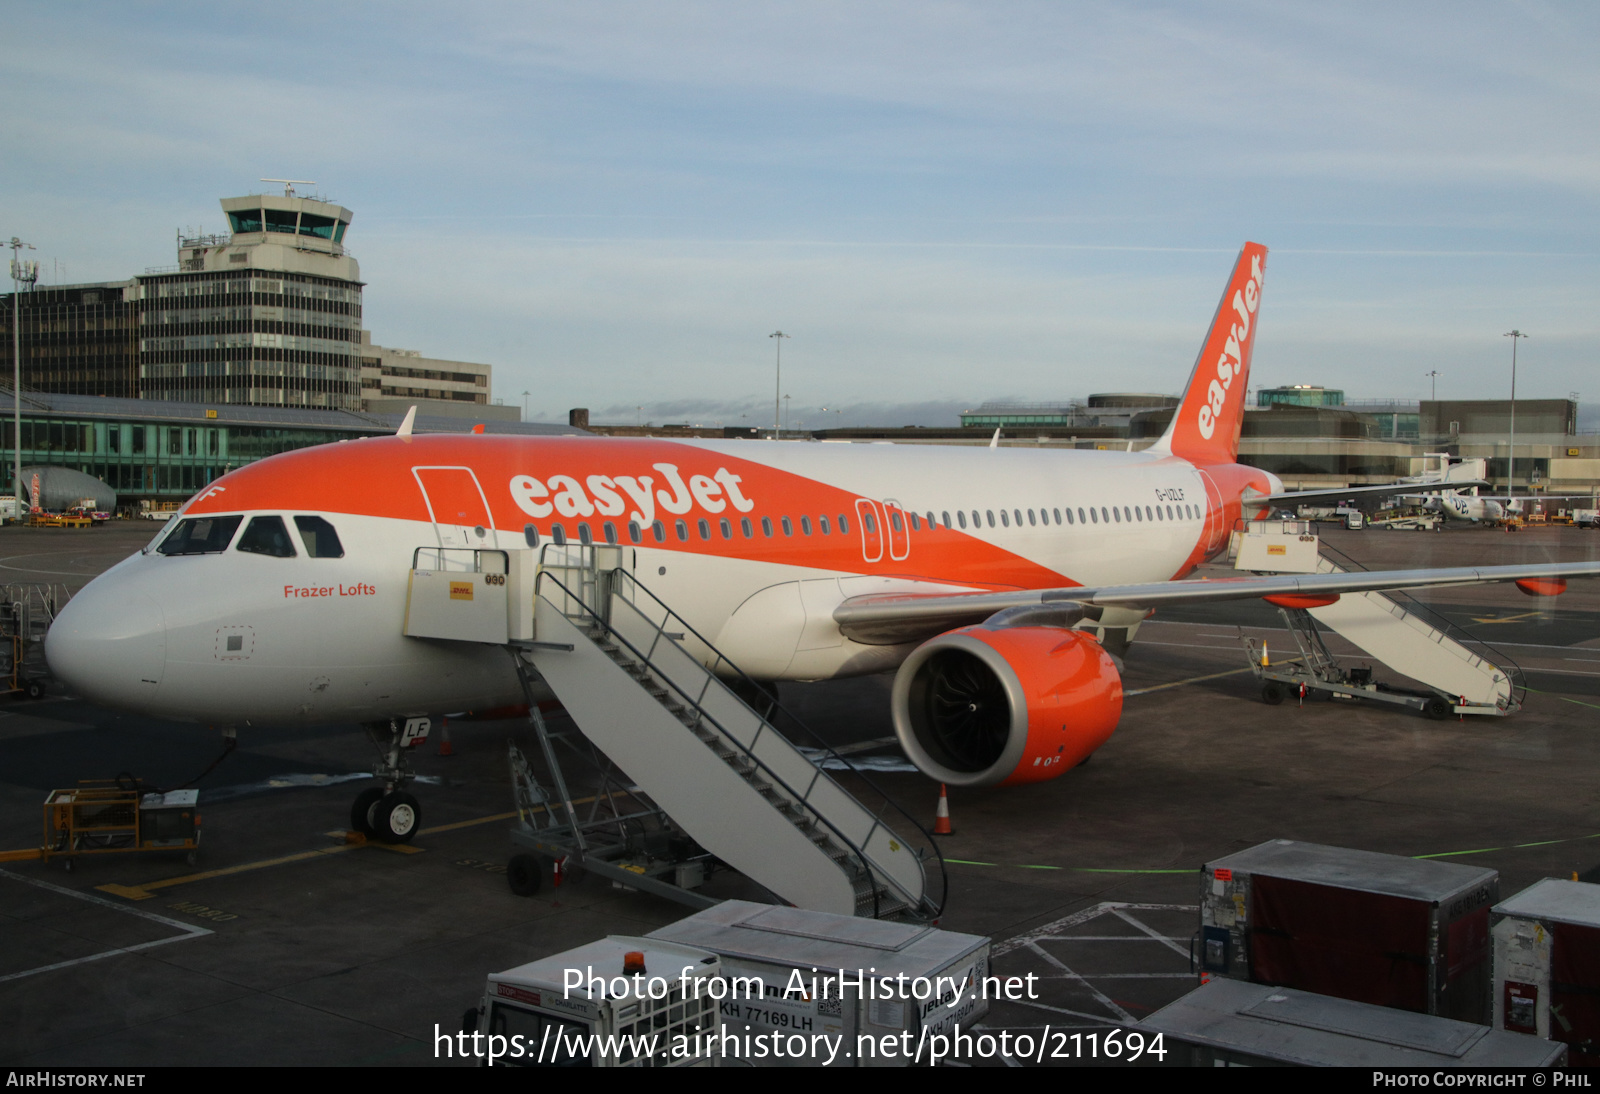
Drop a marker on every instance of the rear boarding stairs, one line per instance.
(1391, 628)
(709, 778)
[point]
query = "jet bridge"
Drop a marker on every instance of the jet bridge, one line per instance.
(1391, 628)
(654, 696)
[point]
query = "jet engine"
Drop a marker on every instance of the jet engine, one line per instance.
(1004, 704)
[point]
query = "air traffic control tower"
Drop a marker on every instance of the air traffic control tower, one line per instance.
(268, 315)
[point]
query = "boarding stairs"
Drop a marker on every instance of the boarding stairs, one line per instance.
(1413, 646)
(1391, 628)
(653, 695)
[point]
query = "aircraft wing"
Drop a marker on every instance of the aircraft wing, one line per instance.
(1393, 489)
(888, 619)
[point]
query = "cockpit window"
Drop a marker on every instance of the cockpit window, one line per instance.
(200, 536)
(266, 536)
(319, 537)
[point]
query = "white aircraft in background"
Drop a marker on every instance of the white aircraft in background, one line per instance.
(278, 593)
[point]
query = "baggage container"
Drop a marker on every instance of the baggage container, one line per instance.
(1547, 965)
(1383, 929)
(1230, 1023)
(792, 948)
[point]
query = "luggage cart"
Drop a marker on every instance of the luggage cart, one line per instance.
(1317, 673)
(115, 816)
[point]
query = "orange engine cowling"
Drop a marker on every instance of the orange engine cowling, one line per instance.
(984, 706)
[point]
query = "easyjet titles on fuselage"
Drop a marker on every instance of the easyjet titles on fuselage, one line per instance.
(565, 495)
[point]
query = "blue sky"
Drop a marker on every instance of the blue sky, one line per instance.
(942, 203)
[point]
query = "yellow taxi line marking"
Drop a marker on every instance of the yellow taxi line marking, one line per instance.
(149, 888)
(480, 820)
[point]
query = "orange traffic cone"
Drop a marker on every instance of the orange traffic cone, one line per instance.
(941, 816)
(445, 748)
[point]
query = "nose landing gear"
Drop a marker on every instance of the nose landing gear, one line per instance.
(388, 813)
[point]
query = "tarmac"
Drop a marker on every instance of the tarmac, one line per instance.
(286, 945)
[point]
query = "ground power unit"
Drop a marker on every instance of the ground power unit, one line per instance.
(1396, 932)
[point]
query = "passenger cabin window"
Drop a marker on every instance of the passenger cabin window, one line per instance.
(558, 535)
(611, 533)
(766, 526)
(788, 527)
(585, 536)
(704, 527)
(634, 532)
(844, 525)
(266, 536)
(682, 528)
(659, 530)
(727, 528)
(744, 526)
(805, 526)
(200, 536)
(822, 523)
(895, 521)
(319, 537)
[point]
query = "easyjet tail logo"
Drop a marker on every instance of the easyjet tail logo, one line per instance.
(1231, 361)
(609, 495)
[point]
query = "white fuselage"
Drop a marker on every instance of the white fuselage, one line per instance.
(319, 639)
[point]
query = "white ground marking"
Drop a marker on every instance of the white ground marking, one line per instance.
(189, 930)
(1052, 932)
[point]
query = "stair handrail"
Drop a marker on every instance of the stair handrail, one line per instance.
(1515, 675)
(876, 878)
(817, 742)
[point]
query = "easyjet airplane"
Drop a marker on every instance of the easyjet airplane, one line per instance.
(277, 595)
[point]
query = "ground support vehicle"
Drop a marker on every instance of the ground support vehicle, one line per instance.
(116, 816)
(1316, 673)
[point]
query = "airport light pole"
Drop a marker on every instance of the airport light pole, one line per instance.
(22, 273)
(1434, 390)
(1511, 448)
(777, 429)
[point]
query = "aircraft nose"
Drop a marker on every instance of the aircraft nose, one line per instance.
(109, 645)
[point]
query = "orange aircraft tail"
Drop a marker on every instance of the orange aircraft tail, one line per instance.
(1206, 427)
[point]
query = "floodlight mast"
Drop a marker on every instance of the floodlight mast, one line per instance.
(777, 386)
(22, 273)
(1511, 447)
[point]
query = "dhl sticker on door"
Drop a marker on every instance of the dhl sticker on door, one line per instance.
(461, 590)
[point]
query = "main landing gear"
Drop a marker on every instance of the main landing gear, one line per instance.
(388, 812)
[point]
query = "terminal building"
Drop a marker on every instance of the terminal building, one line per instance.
(153, 451)
(1311, 437)
(267, 315)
